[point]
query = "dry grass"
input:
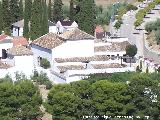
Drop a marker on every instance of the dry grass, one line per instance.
(152, 42)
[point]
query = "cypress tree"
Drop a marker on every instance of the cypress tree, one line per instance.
(72, 10)
(45, 27)
(50, 10)
(36, 20)
(27, 16)
(6, 14)
(1, 21)
(14, 10)
(86, 16)
(57, 10)
(21, 9)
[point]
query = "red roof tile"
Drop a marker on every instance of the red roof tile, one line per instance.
(3, 36)
(19, 41)
(99, 29)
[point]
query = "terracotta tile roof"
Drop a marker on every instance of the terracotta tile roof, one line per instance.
(3, 36)
(76, 34)
(115, 47)
(103, 66)
(49, 41)
(19, 51)
(83, 59)
(70, 67)
(99, 29)
(4, 65)
(19, 41)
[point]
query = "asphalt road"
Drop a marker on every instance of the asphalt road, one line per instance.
(127, 30)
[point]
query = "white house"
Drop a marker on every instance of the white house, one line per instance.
(63, 26)
(75, 54)
(73, 43)
(17, 28)
(19, 59)
(5, 43)
(20, 56)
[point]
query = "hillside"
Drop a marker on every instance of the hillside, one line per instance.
(103, 2)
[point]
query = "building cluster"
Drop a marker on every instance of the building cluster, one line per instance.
(72, 53)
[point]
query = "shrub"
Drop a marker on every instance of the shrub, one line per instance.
(131, 50)
(157, 35)
(45, 63)
(147, 70)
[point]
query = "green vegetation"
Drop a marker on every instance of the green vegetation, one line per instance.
(45, 63)
(36, 20)
(118, 94)
(27, 17)
(154, 27)
(1, 19)
(21, 11)
(20, 100)
(14, 10)
(57, 10)
(86, 16)
(42, 79)
(142, 13)
(131, 50)
(118, 24)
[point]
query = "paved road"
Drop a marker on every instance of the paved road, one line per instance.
(127, 30)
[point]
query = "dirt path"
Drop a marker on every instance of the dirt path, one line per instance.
(44, 93)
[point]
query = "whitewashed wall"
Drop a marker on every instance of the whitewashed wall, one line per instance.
(5, 46)
(53, 29)
(79, 48)
(117, 39)
(11, 72)
(21, 32)
(15, 31)
(42, 52)
(24, 61)
(121, 53)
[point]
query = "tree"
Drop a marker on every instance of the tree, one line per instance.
(50, 10)
(14, 10)
(27, 17)
(86, 16)
(6, 14)
(21, 9)
(45, 63)
(36, 20)
(19, 101)
(72, 10)
(118, 24)
(45, 27)
(131, 50)
(1, 18)
(145, 96)
(110, 98)
(57, 10)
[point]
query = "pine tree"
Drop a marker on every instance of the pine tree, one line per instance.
(36, 20)
(27, 17)
(57, 10)
(21, 9)
(45, 27)
(6, 14)
(50, 10)
(72, 10)
(14, 10)
(86, 16)
(1, 21)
